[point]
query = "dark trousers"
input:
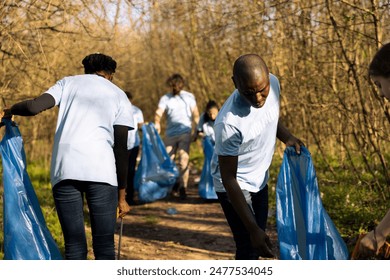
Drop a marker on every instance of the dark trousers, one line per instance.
(133, 154)
(102, 200)
(258, 204)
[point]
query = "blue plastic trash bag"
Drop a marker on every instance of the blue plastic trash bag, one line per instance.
(305, 230)
(156, 173)
(206, 185)
(26, 236)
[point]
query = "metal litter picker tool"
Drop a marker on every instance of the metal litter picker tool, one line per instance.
(120, 238)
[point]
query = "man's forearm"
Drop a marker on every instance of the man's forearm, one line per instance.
(282, 133)
(157, 118)
(34, 106)
(239, 203)
(121, 154)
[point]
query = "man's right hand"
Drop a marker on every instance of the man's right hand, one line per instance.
(123, 206)
(261, 242)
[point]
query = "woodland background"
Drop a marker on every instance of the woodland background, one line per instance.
(320, 51)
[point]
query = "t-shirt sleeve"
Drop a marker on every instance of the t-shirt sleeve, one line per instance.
(125, 114)
(56, 91)
(162, 104)
(140, 116)
(275, 85)
(193, 102)
(227, 140)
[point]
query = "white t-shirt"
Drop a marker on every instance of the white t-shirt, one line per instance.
(206, 127)
(133, 139)
(89, 107)
(179, 112)
(249, 133)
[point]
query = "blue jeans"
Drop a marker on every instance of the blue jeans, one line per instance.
(258, 204)
(102, 200)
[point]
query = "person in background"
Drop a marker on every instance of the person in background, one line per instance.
(182, 117)
(379, 72)
(133, 144)
(246, 130)
(205, 125)
(89, 153)
(205, 129)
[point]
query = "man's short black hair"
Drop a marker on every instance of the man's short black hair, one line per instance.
(246, 63)
(96, 62)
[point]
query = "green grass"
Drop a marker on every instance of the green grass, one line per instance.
(151, 219)
(196, 154)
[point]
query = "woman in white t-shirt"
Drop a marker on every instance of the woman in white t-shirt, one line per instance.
(205, 127)
(89, 153)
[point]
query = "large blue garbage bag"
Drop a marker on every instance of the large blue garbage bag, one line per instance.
(26, 236)
(156, 173)
(305, 230)
(206, 185)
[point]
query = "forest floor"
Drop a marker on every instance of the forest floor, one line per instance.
(197, 231)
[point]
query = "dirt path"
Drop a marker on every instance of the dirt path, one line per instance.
(198, 231)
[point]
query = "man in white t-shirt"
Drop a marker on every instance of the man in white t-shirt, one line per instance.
(89, 153)
(245, 135)
(182, 117)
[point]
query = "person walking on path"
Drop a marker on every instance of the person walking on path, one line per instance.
(182, 117)
(246, 129)
(89, 153)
